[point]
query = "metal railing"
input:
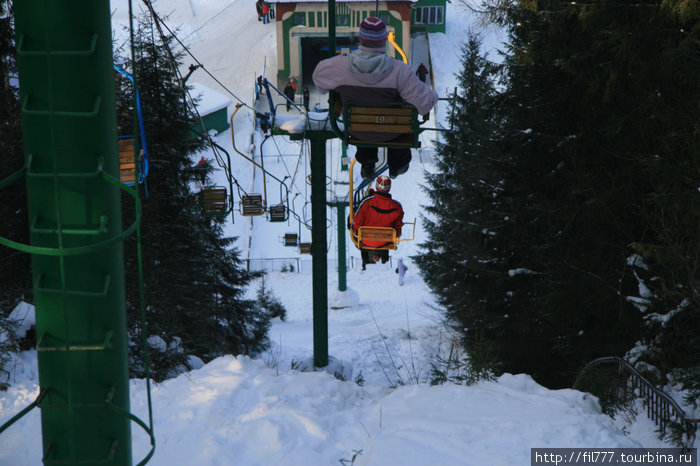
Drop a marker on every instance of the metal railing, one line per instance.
(298, 265)
(621, 383)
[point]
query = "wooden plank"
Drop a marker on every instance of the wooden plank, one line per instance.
(379, 128)
(404, 111)
(403, 141)
(252, 205)
(377, 234)
(214, 200)
(382, 120)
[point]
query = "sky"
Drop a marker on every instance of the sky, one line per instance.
(383, 337)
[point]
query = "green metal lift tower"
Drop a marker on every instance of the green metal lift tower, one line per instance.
(64, 55)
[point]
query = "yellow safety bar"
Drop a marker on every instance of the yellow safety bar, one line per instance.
(392, 40)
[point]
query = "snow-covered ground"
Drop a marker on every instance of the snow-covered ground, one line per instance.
(243, 411)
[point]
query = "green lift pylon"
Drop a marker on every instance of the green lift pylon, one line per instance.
(64, 55)
(319, 253)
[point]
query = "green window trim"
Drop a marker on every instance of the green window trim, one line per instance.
(429, 15)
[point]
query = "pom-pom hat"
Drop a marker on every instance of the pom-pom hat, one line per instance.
(373, 32)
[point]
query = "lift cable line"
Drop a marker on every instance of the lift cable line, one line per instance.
(159, 22)
(251, 204)
(256, 204)
(215, 199)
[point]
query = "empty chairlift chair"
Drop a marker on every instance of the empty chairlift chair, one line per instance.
(252, 204)
(127, 162)
(290, 239)
(215, 200)
(278, 213)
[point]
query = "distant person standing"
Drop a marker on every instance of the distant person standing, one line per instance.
(401, 270)
(265, 9)
(289, 93)
(305, 97)
(258, 8)
(422, 72)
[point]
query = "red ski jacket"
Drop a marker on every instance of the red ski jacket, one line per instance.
(378, 210)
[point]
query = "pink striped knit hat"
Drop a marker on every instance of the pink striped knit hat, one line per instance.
(373, 32)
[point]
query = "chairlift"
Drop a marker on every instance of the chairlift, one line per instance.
(367, 120)
(256, 204)
(385, 235)
(127, 164)
(251, 205)
(132, 171)
(214, 200)
(278, 213)
(373, 118)
(290, 239)
(304, 248)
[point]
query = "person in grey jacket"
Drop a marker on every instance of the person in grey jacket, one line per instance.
(369, 75)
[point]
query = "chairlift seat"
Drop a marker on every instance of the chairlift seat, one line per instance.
(127, 163)
(278, 213)
(291, 239)
(214, 200)
(381, 120)
(385, 235)
(304, 248)
(252, 204)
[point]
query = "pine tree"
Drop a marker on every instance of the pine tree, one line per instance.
(666, 148)
(15, 272)
(269, 303)
(194, 281)
(463, 261)
(599, 157)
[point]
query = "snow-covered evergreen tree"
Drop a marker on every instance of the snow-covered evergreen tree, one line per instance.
(194, 280)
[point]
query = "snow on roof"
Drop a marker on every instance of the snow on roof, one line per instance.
(209, 100)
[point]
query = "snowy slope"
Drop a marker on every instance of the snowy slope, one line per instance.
(243, 411)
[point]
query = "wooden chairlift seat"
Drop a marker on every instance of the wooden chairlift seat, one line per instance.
(291, 239)
(214, 200)
(384, 235)
(304, 248)
(127, 163)
(252, 204)
(278, 213)
(402, 120)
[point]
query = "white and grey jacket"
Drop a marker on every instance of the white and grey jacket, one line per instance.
(364, 76)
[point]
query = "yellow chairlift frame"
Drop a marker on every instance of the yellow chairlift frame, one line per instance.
(370, 233)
